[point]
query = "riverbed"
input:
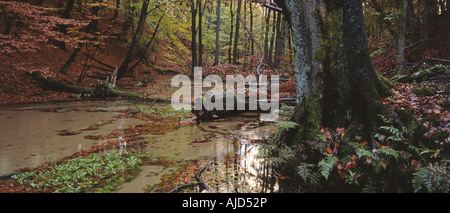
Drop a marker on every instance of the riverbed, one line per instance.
(32, 134)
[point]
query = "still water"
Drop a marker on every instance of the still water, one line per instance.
(31, 134)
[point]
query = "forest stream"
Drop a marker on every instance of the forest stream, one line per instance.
(32, 134)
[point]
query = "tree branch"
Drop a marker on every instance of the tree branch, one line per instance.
(198, 178)
(272, 7)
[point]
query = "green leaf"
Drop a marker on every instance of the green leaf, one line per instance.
(327, 164)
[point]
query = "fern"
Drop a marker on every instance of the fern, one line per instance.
(386, 120)
(397, 135)
(435, 178)
(286, 125)
(390, 152)
(360, 152)
(326, 165)
(305, 171)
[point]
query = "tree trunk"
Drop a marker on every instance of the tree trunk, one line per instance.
(200, 42)
(236, 37)
(401, 28)
(95, 10)
(128, 20)
(284, 37)
(272, 40)
(217, 53)
(278, 35)
(194, 35)
(251, 26)
(116, 10)
(68, 10)
(366, 86)
(266, 36)
(75, 52)
(359, 84)
(123, 68)
(231, 32)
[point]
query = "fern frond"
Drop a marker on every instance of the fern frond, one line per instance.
(390, 152)
(305, 171)
(326, 165)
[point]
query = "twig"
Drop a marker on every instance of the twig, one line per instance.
(438, 59)
(152, 104)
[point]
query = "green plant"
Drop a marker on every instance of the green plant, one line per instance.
(285, 125)
(432, 178)
(327, 164)
(307, 173)
(83, 174)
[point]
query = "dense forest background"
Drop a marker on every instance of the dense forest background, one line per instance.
(55, 49)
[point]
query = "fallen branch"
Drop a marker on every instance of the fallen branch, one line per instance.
(438, 59)
(199, 180)
(101, 91)
(111, 68)
(52, 84)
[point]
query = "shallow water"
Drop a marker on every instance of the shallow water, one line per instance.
(31, 135)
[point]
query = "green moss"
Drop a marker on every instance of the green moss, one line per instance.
(313, 118)
(309, 119)
(423, 91)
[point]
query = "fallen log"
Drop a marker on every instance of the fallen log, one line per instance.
(52, 84)
(100, 91)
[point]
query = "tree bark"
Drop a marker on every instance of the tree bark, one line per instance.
(200, 42)
(194, 35)
(116, 10)
(123, 68)
(366, 86)
(278, 35)
(231, 32)
(251, 26)
(401, 28)
(236, 37)
(272, 40)
(359, 84)
(217, 53)
(266, 36)
(68, 10)
(95, 10)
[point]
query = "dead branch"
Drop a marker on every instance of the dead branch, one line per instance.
(199, 180)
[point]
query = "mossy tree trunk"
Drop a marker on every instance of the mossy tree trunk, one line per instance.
(336, 83)
(366, 86)
(304, 27)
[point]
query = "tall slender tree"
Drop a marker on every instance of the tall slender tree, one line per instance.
(200, 34)
(401, 28)
(193, 35)
(236, 37)
(231, 32)
(266, 35)
(217, 52)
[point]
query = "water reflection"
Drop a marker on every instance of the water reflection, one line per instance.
(32, 134)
